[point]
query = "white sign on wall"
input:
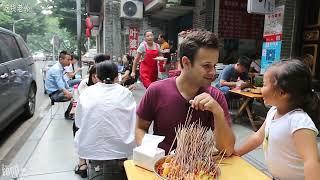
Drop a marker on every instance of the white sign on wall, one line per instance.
(260, 6)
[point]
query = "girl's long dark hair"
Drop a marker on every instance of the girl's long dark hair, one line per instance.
(107, 71)
(294, 77)
(92, 72)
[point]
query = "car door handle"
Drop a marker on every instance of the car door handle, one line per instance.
(4, 75)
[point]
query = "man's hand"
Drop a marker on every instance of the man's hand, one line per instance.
(204, 102)
(246, 85)
(223, 133)
(78, 69)
(67, 94)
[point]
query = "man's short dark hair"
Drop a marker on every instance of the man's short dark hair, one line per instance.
(196, 40)
(74, 56)
(245, 62)
(62, 54)
(100, 58)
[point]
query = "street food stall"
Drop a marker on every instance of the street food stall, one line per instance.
(195, 156)
(231, 168)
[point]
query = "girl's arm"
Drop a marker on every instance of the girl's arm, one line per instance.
(252, 142)
(306, 144)
(125, 76)
(135, 63)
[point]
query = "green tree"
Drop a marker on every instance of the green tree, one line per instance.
(65, 10)
(39, 42)
(29, 10)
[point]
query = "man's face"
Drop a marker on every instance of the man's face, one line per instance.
(66, 60)
(203, 70)
(240, 68)
(73, 61)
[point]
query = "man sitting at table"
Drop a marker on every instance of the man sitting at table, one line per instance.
(234, 75)
(166, 102)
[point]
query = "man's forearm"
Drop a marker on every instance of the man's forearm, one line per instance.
(229, 84)
(224, 136)
(139, 134)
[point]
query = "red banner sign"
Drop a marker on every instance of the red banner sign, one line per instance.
(133, 40)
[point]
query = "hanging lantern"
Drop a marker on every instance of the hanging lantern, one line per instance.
(88, 23)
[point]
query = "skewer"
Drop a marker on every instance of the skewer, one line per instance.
(195, 151)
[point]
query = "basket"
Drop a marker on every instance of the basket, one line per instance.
(160, 161)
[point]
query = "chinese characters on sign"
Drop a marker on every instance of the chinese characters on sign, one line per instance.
(15, 8)
(133, 40)
(273, 25)
(272, 35)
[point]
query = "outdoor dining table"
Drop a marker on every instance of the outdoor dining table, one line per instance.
(255, 121)
(232, 168)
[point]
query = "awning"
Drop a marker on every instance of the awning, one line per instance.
(172, 12)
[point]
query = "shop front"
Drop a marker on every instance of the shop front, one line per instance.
(309, 38)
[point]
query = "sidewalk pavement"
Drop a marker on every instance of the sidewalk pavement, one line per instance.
(49, 152)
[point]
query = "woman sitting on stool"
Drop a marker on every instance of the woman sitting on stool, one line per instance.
(105, 116)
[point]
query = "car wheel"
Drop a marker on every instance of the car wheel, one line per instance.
(31, 103)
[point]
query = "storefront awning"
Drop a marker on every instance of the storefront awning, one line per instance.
(172, 12)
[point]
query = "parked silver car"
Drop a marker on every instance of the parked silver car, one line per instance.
(17, 78)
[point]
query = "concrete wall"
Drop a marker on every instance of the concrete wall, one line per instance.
(112, 28)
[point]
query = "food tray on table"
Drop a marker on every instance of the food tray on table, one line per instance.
(255, 90)
(163, 164)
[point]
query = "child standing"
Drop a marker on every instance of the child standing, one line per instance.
(289, 131)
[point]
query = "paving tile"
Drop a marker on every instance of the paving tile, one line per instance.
(59, 130)
(52, 156)
(68, 175)
(24, 154)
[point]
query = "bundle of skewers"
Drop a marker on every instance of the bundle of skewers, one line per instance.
(195, 158)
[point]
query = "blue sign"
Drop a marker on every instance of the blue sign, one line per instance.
(270, 54)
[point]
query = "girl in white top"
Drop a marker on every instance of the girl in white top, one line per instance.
(289, 132)
(105, 116)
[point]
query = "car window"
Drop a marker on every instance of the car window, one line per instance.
(23, 48)
(9, 49)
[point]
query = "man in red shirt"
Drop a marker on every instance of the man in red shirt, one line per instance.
(166, 102)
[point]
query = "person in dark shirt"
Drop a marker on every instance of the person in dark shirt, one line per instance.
(127, 80)
(100, 58)
(234, 75)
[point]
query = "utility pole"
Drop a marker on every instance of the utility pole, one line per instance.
(79, 30)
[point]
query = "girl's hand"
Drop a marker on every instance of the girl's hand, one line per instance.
(236, 153)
